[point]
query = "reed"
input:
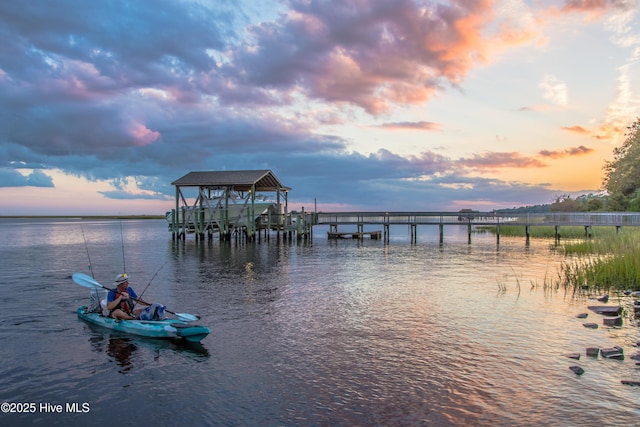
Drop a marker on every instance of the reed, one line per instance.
(542, 231)
(610, 262)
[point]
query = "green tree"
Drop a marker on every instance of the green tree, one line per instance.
(622, 175)
(617, 202)
(565, 203)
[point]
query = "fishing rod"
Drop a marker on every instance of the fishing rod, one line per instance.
(96, 301)
(87, 249)
(124, 264)
(154, 276)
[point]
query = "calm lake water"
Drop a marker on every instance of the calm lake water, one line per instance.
(326, 333)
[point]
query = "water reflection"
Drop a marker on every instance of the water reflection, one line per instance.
(121, 350)
(125, 349)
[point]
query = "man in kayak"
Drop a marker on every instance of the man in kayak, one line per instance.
(120, 303)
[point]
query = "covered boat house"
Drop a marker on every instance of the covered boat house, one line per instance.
(241, 202)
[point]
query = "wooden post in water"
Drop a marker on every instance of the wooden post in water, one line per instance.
(469, 231)
(556, 233)
(441, 225)
(527, 233)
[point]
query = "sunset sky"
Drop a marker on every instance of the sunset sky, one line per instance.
(360, 105)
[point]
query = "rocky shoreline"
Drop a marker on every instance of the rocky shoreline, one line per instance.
(611, 316)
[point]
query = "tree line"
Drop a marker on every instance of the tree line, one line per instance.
(620, 184)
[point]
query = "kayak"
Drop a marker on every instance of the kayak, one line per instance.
(167, 328)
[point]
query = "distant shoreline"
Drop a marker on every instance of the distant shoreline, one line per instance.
(85, 216)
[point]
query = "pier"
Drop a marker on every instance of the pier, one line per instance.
(250, 204)
(413, 220)
(246, 204)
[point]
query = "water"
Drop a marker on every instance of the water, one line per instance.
(330, 333)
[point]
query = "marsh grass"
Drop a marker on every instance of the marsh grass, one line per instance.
(542, 231)
(608, 260)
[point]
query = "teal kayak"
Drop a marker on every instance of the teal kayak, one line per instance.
(167, 328)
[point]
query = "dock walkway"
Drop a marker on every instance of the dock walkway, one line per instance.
(470, 219)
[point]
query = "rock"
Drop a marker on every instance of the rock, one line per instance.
(612, 321)
(604, 298)
(590, 325)
(632, 383)
(577, 370)
(593, 351)
(606, 310)
(573, 356)
(582, 315)
(612, 353)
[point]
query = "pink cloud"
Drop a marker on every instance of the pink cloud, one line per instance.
(593, 5)
(576, 129)
(609, 131)
(573, 151)
(495, 160)
(368, 53)
(143, 135)
(428, 126)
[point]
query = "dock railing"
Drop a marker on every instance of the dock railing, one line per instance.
(618, 219)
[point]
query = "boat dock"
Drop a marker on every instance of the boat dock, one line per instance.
(244, 204)
(375, 235)
(248, 204)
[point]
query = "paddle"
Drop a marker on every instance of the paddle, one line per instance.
(89, 282)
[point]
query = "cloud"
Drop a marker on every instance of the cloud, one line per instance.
(13, 178)
(496, 160)
(126, 195)
(554, 90)
(574, 151)
(429, 126)
(594, 5)
(576, 129)
(117, 90)
(367, 53)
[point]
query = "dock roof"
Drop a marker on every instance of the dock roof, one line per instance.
(243, 180)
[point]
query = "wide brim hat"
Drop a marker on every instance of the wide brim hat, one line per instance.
(121, 278)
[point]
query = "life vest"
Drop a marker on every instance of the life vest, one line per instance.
(125, 305)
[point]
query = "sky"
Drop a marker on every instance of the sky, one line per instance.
(362, 105)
